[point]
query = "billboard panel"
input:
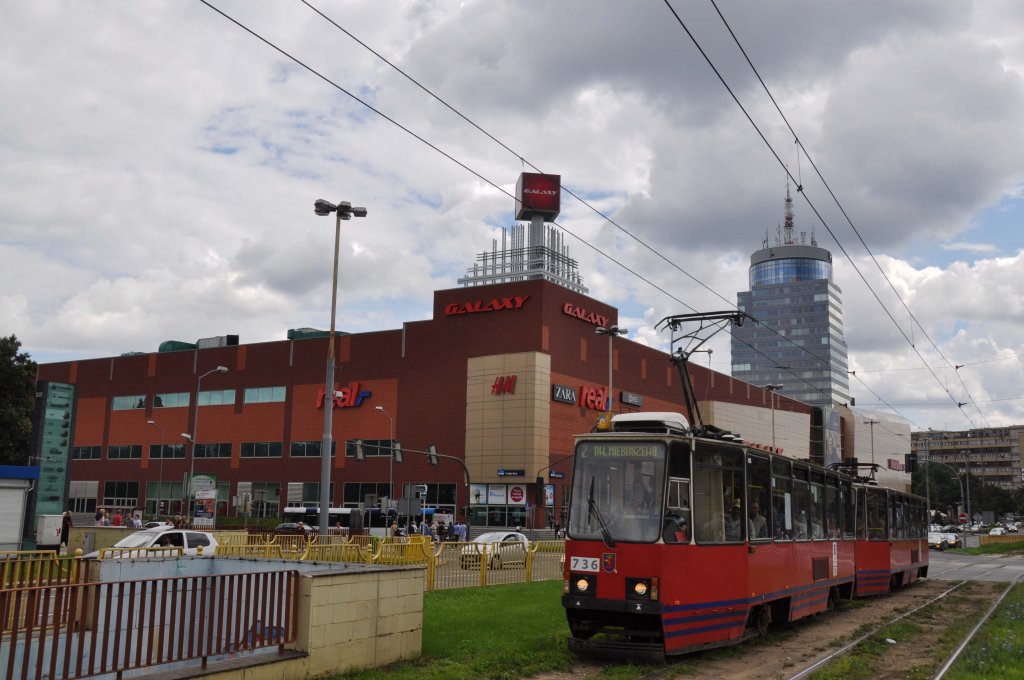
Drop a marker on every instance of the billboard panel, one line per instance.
(538, 194)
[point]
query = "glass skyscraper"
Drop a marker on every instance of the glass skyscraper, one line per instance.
(798, 342)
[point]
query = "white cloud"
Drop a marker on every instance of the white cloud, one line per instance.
(158, 167)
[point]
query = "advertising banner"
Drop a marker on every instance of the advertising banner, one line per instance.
(478, 494)
(205, 508)
(517, 494)
(496, 494)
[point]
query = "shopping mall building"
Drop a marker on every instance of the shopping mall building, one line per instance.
(505, 373)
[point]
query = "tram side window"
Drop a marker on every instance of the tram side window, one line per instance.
(900, 527)
(849, 508)
(759, 481)
(801, 504)
(832, 516)
(862, 513)
(718, 515)
(817, 511)
(782, 500)
(677, 525)
(877, 516)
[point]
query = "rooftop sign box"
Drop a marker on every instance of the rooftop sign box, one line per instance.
(538, 194)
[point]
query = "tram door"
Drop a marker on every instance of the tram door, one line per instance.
(765, 566)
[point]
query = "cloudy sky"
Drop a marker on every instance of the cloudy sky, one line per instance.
(158, 166)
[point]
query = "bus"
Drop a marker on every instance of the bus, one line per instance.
(353, 521)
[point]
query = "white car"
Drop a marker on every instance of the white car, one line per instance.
(997, 531)
(937, 540)
(502, 547)
(157, 537)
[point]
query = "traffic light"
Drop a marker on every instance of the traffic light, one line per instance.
(432, 454)
(360, 454)
(538, 493)
(397, 453)
(910, 462)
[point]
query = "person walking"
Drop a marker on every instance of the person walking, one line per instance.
(65, 528)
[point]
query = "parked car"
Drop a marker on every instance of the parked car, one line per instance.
(156, 525)
(997, 531)
(158, 537)
(501, 547)
(295, 528)
(937, 541)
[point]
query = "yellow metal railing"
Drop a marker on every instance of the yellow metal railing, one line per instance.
(155, 551)
(22, 568)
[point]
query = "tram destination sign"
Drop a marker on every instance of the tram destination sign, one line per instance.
(623, 450)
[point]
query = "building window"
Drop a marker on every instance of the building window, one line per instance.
(128, 402)
(263, 395)
(171, 400)
(216, 397)
(311, 494)
(213, 450)
(82, 496)
(311, 449)
(371, 447)
(166, 451)
(120, 494)
(265, 497)
(168, 494)
(356, 492)
(125, 451)
(261, 449)
(86, 453)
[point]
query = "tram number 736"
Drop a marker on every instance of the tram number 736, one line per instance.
(586, 564)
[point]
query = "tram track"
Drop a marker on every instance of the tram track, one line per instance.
(720, 668)
(827, 658)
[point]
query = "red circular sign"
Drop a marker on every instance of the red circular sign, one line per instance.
(963, 516)
(516, 494)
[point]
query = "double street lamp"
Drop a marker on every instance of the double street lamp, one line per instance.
(195, 432)
(344, 211)
(391, 452)
(611, 332)
(872, 422)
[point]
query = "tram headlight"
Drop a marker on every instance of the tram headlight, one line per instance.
(584, 585)
(642, 589)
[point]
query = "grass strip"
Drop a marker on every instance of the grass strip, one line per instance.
(867, 659)
(993, 549)
(998, 649)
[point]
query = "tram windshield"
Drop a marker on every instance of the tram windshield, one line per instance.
(617, 491)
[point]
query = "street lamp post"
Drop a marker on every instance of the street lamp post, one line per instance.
(967, 471)
(772, 389)
(952, 469)
(160, 484)
(344, 211)
(195, 433)
(391, 452)
(611, 332)
(872, 422)
(927, 482)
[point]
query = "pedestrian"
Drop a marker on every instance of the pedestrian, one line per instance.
(393, 529)
(117, 518)
(99, 517)
(65, 528)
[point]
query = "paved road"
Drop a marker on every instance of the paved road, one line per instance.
(953, 567)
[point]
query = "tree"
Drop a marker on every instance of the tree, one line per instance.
(17, 392)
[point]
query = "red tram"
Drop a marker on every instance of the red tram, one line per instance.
(682, 538)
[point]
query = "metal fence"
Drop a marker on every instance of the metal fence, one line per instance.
(78, 630)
